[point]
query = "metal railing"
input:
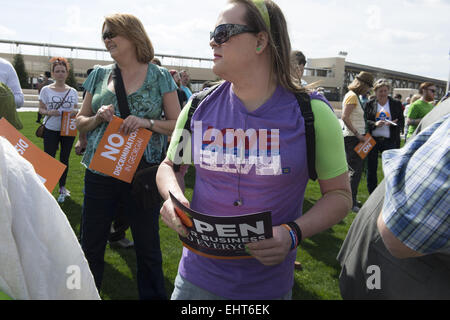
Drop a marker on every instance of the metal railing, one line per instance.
(44, 49)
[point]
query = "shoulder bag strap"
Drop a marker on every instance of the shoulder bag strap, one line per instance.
(304, 101)
(120, 92)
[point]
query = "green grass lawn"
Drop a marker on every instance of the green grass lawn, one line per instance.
(318, 280)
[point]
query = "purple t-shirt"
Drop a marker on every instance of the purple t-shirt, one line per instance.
(274, 177)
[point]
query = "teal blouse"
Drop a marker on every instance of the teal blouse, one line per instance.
(146, 103)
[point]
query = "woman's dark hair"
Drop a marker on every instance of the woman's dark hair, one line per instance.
(298, 57)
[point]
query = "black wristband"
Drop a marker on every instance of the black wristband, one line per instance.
(294, 226)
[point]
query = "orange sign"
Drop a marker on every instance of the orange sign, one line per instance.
(68, 125)
(119, 155)
(47, 168)
(363, 148)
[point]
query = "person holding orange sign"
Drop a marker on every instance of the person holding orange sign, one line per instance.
(354, 128)
(55, 99)
(150, 90)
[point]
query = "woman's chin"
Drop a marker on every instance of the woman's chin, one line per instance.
(219, 71)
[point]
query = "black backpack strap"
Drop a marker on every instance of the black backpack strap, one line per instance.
(304, 101)
(196, 100)
(120, 92)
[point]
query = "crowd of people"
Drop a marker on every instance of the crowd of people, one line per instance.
(262, 89)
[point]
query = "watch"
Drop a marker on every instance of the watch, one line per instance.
(152, 123)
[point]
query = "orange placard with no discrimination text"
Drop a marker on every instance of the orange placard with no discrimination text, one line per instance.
(119, 155)
(68, 125)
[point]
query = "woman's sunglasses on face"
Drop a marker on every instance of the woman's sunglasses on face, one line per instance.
(108, 35)
(224, 32)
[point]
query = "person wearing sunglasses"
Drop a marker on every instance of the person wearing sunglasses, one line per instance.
(150, 90)
(251, 49)
(421, 107)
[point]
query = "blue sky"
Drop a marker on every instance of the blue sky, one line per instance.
(405, 35)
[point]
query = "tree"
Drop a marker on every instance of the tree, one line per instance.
(22, 73)
(71, 80)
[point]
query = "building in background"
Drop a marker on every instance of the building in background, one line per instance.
(332, 74)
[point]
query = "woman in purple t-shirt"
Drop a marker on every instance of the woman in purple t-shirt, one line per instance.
(252, 53)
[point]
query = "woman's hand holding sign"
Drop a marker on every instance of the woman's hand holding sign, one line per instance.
(133, 123)
(105, 113)
(272, 251)
(170, 217)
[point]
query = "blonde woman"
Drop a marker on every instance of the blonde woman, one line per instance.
(355, 128)
(150, 89)
(384, 121)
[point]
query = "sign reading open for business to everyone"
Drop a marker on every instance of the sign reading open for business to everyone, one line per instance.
(118, 155)
(48, 169)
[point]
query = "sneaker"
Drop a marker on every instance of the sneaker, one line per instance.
(61, 198)
(355, 209)
(122, 243)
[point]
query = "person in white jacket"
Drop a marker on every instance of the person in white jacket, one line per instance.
(8, 76)
(40, 257)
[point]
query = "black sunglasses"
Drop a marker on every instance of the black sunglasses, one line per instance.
(224, 32)
(108, 35)
(432, 90)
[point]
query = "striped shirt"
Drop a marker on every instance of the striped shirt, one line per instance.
(416, 206)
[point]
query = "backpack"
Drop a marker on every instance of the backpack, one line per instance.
(304, 101)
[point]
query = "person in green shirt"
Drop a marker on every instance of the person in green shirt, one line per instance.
(8, 107)
(421, 107)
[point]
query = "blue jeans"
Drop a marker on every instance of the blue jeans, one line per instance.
(103, 197)
(382, 144)
(185, 290)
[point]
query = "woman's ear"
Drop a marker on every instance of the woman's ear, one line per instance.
(262, 40)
